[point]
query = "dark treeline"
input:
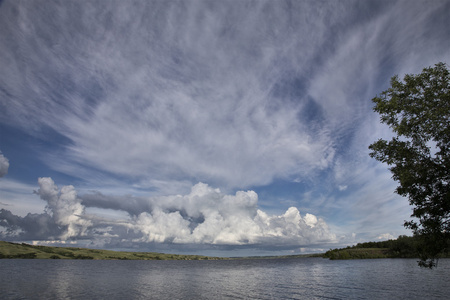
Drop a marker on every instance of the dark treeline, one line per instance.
(403, 247)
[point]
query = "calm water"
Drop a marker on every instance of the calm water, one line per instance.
(308, 278)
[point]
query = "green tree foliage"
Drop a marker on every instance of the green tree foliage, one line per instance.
(402, 247)
(418, 112)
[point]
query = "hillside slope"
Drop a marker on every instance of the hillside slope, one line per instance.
(13, 250)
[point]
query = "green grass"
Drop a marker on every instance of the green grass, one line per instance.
(13, 250)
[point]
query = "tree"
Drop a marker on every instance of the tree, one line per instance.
(418, 112)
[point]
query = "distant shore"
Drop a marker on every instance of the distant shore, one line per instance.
(10, 250)
(15, 250)
(403, 247)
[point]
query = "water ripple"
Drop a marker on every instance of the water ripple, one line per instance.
(309, 278)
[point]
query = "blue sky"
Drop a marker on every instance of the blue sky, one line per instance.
(213, 127)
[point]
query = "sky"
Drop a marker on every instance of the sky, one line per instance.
(223, 128)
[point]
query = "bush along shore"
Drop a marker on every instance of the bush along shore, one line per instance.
(402, 247)
(14, 250)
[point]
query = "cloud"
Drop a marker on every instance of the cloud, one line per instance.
(19, 197)
(342, 187)
(64, 206)
(386, 236)
(216, 218)
(4, 165)
(193, 93)
(211, 92)
(32, 226)
(205, 216)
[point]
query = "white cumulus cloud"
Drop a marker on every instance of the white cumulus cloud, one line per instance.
(208, 216)
(204, 216)
(64, 206)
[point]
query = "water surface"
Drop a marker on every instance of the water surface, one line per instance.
(305, 278)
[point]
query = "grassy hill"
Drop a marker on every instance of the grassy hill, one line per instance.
(13, 250)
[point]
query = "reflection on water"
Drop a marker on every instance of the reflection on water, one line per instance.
(308, 278)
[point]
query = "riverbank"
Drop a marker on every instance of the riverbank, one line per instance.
(13, 250)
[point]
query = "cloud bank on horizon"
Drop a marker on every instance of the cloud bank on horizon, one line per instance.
(129, 104)
(204, 216)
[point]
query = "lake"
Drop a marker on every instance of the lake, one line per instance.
(303, 278)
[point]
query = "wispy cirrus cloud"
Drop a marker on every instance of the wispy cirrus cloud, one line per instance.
(189, 94)
(205, 92)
